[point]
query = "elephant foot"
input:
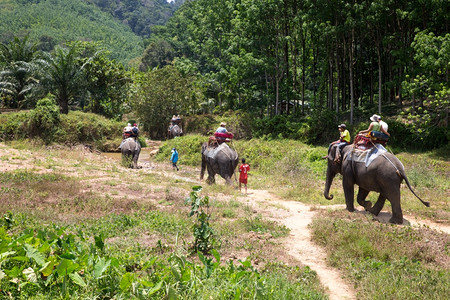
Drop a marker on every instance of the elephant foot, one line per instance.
(374, 211)
(396, 220)
(367, 205)
(350, 209)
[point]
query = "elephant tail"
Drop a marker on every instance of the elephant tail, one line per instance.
(427, 204)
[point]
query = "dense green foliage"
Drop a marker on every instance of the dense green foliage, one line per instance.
(161, 93)
(56, 263)
(55, 22)
(140, 16)
(71, 129)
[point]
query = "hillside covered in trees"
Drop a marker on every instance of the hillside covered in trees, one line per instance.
(119, 25)
(300, 67)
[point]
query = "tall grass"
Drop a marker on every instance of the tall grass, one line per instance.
(385, 261)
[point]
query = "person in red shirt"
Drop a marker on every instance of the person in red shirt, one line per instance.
(243, 169)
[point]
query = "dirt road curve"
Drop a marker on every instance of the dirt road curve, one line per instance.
(297, 216)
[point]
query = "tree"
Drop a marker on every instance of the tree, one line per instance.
(18, 76)
(63, 76)
(161, 93)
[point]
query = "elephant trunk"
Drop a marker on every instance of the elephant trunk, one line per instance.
(202, 171)
(329, 181)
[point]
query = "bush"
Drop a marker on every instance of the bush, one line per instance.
(240, 123)
(44, 119)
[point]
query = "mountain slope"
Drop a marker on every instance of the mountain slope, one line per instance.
(52, 22)
(139, 15)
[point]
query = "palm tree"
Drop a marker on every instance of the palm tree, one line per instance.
(18, 74)
(64, 76)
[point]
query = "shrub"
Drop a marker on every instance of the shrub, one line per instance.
(44, 119)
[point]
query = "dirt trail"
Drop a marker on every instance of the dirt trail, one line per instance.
(297, 216)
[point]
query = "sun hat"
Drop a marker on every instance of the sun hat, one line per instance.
(342, 125)
(128, 124)
(374, 118)
(223, 124)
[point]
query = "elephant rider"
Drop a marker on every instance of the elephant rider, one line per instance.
(127, 131)
(376, 130)
(222, 133)
(344, 140)
(134, 131)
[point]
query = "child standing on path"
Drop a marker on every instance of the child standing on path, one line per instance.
(174, 158)
(243, 169)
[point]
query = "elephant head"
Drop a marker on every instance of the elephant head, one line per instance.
(332, 169)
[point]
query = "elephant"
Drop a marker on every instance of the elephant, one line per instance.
(174, 131)
(221, 160)
(130, 148)
(383, 175)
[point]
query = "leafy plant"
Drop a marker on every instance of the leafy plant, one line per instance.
(203, 232)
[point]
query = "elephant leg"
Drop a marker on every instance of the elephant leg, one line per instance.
(211, 177)
(349, 191)
(375, 210)
(228, 180)
(361, 198)
(397, 214)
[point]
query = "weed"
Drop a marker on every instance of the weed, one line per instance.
(202, 231)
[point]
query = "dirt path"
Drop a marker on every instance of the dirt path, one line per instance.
(297, 216)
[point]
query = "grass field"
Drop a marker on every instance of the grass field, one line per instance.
(79, 225)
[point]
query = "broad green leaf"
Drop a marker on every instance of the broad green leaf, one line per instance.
(47, 268)
(172, 294)
(126, 281)
(6, 254)
(216, 255)
(30, 274)
(20, 258)
(100, 267)
(156, 288)
(34, 254)
(66, 267)
(76, 278)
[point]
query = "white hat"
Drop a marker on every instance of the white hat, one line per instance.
(128, 124)
(374, 118)
(223, 124)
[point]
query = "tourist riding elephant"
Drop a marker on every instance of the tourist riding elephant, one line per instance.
(383, 175)
(130, 148)
(221, 160)
(174, 131)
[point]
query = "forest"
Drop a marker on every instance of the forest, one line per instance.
(317, 63)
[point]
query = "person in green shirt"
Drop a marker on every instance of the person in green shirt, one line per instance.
(375, 129)
(344, 140)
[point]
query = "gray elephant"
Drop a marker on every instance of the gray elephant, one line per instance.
(130, 148)
(221, 160)
(174, 131)
(383, 175)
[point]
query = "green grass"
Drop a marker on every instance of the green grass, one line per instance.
(386, 261)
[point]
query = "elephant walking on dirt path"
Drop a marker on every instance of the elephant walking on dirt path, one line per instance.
(383, 175)
(130, 148)
(221, 160)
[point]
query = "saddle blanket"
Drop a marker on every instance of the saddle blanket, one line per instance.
(213, 151)
(366, 156)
